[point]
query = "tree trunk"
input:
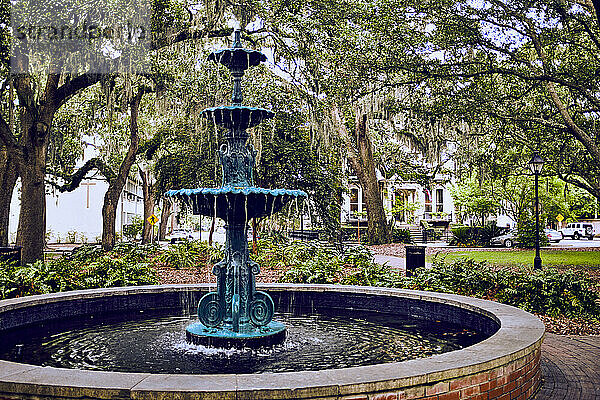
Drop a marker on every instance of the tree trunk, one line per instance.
(255, 225)
(164, 217)
(210, 233)
(360, 156)
(35, 124)
(8, 179)
(148, 191)
(111, 198)
(32, 216)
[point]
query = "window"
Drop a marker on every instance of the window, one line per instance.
(354, 200)
(364, 203)
(427, 200)
(439, 199)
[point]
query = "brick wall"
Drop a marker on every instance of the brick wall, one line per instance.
(516, 380)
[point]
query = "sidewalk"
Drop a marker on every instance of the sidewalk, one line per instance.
(570, 368)
(394, 261)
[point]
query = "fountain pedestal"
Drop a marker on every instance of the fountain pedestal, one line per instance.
(236, 314)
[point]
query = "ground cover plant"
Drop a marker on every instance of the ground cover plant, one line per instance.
(547, 291)
(187, 254)
(560, 297)
(315, 262)
(87, 267)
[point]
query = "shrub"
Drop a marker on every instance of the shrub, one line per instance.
(187, 254)
(131, 231)
(546, 291)
(461, 236)
(526, 233)
(401, 236)
(361, 269)
(71, 237)
(312, 262)
(86, 268)
(487, 232)
(472, 236)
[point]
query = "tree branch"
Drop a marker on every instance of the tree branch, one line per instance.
(64, 92)
(189, 34)
(75, 179)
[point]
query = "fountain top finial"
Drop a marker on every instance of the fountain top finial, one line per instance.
(237, 39)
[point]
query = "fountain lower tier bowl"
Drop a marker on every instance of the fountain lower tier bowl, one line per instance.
(225, 338)
(237, 117)
(234, 204)
(334, 349)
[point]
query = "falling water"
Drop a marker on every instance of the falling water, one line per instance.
(265, 205)
(245, 209)
(215, 208)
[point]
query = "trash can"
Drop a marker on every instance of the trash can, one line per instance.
(415, 258)
(8, 254)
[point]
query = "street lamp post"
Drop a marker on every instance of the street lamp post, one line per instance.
(536, 164)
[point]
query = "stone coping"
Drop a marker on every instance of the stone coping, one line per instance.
(520, 334)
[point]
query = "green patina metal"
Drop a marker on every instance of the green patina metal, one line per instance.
(236, 314)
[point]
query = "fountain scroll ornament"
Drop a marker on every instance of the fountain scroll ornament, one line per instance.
(236, 314)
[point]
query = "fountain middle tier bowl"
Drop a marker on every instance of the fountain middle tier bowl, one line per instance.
(237, 117)
(236, 203)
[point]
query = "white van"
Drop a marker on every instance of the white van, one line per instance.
(577, 230)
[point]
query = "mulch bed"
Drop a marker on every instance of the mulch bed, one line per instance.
(203, 274)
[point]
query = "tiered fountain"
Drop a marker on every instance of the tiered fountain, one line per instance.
(236, 315)
(355, 342)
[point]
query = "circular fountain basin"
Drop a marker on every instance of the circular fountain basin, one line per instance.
(507, 362)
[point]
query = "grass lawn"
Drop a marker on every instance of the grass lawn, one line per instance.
(551, 258)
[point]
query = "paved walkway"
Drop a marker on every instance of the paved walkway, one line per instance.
(390, 261)
(394, 262)
(570, 368)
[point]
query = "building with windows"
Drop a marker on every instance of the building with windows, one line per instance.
(407, 203)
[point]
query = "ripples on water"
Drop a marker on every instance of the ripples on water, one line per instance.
(156, 344)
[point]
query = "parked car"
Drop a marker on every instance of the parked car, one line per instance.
(553, 235)
(509, 239)
(577, 230)
(179, 235)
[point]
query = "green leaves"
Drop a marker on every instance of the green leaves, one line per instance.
(88, 267)
(547, 291)
(188, 254)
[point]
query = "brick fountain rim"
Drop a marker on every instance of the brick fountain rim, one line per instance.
(508, 359)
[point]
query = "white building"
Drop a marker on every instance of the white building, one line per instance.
(417, 203)
(77, 216)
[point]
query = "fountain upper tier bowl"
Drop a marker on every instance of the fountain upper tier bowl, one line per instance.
(237, 58)
(236, 203)
(237, 117)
